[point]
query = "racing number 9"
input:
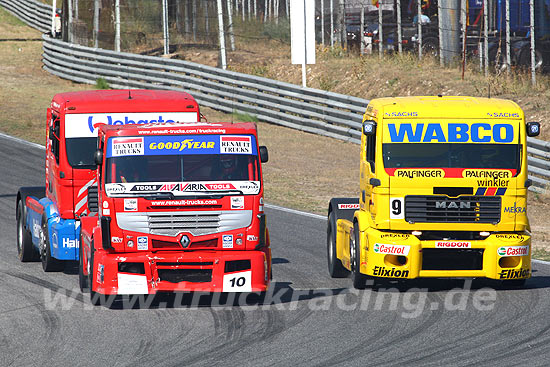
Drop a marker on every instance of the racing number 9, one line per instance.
(396, 208)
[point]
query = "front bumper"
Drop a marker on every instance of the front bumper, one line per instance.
(179, 271)
(502, 256)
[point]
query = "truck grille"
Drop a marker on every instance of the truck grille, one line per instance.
(443, 209)
(197, 223)
(185, 275)
(452, 259)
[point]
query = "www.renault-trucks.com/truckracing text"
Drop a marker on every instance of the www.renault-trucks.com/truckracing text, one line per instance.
(48, 218)
(180, 209)
(443, 193)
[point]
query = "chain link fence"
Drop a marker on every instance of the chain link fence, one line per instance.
(501, 34)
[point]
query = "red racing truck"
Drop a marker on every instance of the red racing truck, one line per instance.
(180, 208)
(48, 218)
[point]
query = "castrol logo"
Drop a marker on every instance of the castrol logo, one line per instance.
(453, 244)
(505, 251)
(381, 248)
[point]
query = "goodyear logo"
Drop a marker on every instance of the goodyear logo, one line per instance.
(452, 133)
(181, 145)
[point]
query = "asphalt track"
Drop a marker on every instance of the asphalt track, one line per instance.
(308, 319)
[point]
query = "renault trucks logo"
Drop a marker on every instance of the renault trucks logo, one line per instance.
(452, 205)
(235, 144)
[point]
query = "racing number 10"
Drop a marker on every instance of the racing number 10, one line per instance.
(396, 208)
(239, 282)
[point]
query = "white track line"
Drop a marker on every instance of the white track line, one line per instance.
(13, 138)
(293, 211)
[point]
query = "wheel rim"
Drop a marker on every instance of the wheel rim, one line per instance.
(42, 243)
(352, 251)
(19, 232)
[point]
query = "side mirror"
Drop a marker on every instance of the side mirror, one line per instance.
(264, 155)
(375, 182)
(369, 127)
(533, 128)
(98, 157)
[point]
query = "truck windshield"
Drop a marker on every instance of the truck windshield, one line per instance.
(444, 155)
(80, 152)
(176, 159)
(182, 168)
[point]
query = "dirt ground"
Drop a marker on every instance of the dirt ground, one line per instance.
(304, 170)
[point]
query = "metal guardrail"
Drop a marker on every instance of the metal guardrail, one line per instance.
(312, 110)
(315, 111)
(538, 160)
(34, 13)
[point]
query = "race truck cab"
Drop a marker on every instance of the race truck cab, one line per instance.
(48, 218)
(180, 209)
(443, 193)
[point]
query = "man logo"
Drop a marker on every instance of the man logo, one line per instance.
(452, 205)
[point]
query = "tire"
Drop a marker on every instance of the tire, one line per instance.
(82, 279)
(335, 267)
(25, 248)
(359, 280)
(49, 263)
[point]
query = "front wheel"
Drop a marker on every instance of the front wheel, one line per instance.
(335, 267)
(359, 280)
(25, 249)
(49, 263)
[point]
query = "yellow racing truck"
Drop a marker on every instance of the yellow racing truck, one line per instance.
(443, 193)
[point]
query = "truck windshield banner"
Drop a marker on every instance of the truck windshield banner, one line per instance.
(85, 125)
(487, 131)
(183, 188)
(181, 144)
